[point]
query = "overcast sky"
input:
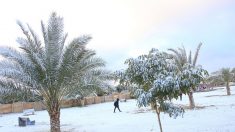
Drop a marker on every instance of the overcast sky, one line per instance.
(127, 28)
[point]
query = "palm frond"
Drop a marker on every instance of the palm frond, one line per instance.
(92, 63)
(29, 43)
(15, 56)
(91, 82)
(196, 54)
(174, 51)
(44, 33)
(33, 50)
(13, 71)
(183, 54)
(190, 57)
(36, 41)
(226, 74)
(74, 54)
(177, 57)
(55, 42)
(7, 84)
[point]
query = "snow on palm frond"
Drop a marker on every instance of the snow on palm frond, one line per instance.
(33, 50)
(103, 74)
(177, 57)
(75, 59)
(14, 55)
(10, 69)
(10, 89)
(92, 81)
(99, 77)
(15, 72)
(183, 55)
(31, 41)
(55, 40)
(190, 57)
(74, 52)
(92, 63)
(44, 33)
(8, 84)
(36, 40)
(196, 54)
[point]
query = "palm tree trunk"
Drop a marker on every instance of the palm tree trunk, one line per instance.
(55, 119)
(191, 100)
(228, 88)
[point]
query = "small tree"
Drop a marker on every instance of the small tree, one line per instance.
(158, 81)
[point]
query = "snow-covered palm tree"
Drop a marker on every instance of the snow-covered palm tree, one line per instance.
(50, 68)
(182, 59)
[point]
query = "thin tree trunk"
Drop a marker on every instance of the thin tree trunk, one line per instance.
(153, 106)
(159, 120)
(55, 119)
(228, 88)
(191, 100)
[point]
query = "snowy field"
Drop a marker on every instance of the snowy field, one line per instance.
(218, 115)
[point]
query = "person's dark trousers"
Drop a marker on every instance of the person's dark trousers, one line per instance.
(115, 109)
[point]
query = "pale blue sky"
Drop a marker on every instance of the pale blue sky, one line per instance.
(128, 28)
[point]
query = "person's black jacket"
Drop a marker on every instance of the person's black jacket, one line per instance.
(116, 103)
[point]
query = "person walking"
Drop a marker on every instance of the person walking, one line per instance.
(116, 105)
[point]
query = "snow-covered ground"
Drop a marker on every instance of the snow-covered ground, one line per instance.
(218, 115)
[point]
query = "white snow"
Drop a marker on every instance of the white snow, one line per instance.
(217, 116)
